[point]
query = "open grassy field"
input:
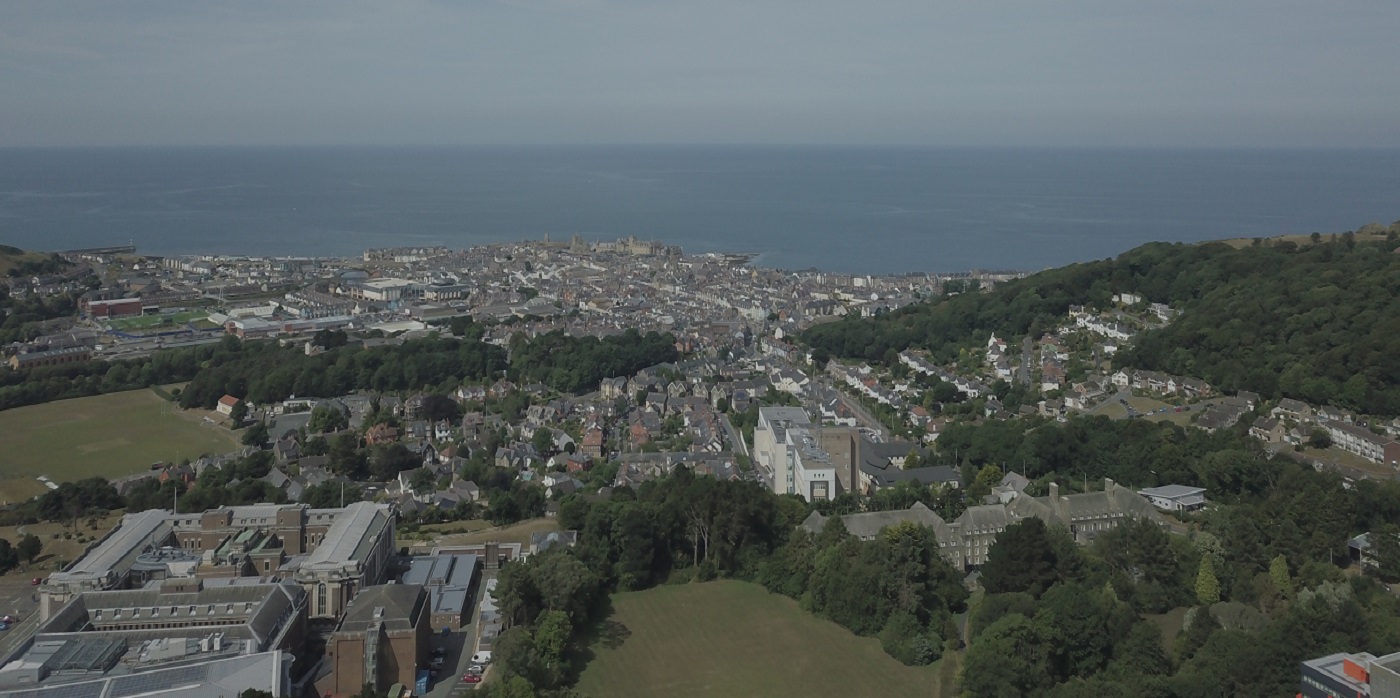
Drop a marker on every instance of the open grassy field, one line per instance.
(480, 531)
(104, 435)
(734, 638)
(58, 549)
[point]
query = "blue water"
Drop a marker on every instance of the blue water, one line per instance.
(866, 210)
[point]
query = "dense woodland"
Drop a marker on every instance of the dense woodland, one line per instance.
(266, 372)
(571, 364)
(1318, 322)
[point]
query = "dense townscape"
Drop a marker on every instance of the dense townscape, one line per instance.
(1169, 474)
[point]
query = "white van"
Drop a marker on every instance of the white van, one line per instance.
(482, 657)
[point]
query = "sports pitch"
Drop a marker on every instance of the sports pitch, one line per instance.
(733, 638)
(104, 436)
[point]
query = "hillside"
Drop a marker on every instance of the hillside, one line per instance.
(17, 262)
(1318, 322)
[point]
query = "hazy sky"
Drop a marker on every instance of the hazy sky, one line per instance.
(995, 72)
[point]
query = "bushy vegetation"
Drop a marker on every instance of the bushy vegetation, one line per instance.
(1319, 322)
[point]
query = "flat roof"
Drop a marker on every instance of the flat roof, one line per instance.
(1171, 491)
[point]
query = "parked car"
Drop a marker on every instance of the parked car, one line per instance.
(436, 663)
(476, 669)
(471, 678)
(481, 658)
(36, 582)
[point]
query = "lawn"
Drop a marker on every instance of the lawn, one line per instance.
(482, 532)
(735, 639)
(104, 435)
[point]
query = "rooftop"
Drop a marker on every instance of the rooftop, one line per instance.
(350, 537)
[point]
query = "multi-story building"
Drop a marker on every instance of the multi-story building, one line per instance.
(966, 541)
(331, 553)
(1360, 675)
(786, 443)
(382, 640)
(200, 631)
(1378, 448)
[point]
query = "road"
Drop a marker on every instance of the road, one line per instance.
(460, 646)
(17, 598)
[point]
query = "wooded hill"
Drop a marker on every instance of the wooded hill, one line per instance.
(1318, 322)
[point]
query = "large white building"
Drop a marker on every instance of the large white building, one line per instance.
(787, 444)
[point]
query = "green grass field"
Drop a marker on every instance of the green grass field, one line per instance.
(104, 435)
(735, 639)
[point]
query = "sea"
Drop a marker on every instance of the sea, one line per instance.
(863, 210)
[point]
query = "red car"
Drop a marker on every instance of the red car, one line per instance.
(471, 678)
(36, 581)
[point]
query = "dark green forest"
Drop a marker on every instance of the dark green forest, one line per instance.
(571, 364)
(1319, 322)
(265, 372)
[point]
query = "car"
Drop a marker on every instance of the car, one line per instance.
(4, 626)
(471, 678)
(481, 658)
(36, 582)
(476, 669)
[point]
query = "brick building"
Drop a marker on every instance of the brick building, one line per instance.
(382, 641)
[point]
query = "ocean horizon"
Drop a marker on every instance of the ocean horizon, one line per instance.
(856, 209)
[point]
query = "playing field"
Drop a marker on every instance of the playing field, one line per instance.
(735, 639)
(104, 435)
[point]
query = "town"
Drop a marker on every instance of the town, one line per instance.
(329, 551)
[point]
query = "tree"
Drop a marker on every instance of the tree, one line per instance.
(552, 633)
(1207, 586)
(422, 480)
(1385, 546)
(1278, 573)
(238, 413)
(256, 435)
(1319, 438)
(543, 441)
(29, 547)
(1021, 559)
(1010, 658)
(326, 418)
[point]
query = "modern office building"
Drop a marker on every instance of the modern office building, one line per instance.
(1344, 675)
(787, 444)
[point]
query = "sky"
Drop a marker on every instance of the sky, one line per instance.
(1045, 73)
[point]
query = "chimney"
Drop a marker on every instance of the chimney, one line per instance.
(1108, 486)
(1054, 493)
